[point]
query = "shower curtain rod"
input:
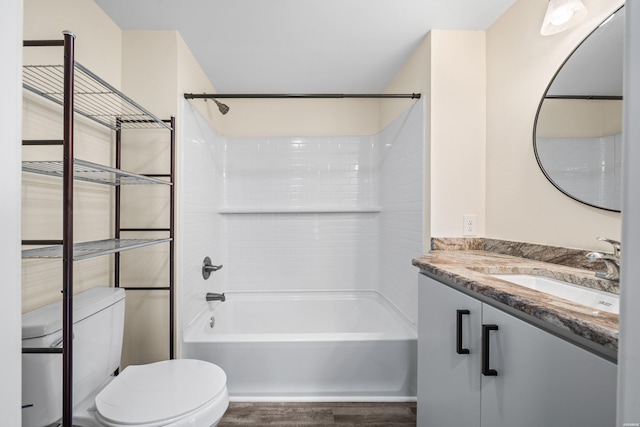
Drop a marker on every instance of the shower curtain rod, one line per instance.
(589, 97)
(300, 95)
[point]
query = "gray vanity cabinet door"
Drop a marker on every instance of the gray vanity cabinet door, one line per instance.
(448, 382)
(543, 380)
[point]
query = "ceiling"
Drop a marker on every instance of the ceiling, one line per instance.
(303, 46)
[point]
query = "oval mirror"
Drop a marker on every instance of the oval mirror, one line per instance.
(577, 132)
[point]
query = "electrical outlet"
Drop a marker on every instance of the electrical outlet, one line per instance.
(470, 225)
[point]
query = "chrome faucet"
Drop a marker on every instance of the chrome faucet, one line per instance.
(612, 261)
(208, 268)
(216, 297)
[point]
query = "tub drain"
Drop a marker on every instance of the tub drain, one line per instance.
(212, 322)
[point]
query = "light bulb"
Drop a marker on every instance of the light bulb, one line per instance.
(562, 16)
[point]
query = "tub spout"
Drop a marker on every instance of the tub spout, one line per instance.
(215, 297)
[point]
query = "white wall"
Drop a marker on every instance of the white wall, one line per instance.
(10, 110)
(294, 248)
(401, 220)
(199, 225)
(300, 172)
(302, 212)
(415, 77)
(629, 351)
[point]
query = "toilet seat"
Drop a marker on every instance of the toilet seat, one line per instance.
(163, 394)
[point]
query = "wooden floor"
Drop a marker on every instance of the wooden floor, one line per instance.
(320, 414)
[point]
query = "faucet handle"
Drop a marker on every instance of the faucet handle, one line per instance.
(614, 243)
(208, 267)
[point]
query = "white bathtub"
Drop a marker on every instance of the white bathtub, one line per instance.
(308, 346)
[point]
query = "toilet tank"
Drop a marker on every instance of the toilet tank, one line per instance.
(98, 327)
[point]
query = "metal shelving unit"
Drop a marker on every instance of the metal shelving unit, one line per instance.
(80, 92)
(91, 172)
(93, 97)
(86, 250)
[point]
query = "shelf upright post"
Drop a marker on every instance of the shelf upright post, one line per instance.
(117, 200)
(172, 242)
(67, 230)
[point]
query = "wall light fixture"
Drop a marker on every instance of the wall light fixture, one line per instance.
(562, 14)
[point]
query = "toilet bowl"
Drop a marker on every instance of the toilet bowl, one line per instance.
(170, 393)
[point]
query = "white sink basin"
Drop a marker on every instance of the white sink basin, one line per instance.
(598, 300)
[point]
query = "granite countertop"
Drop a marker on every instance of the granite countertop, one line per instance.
(470, 269)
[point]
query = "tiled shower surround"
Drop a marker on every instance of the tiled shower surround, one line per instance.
(301, 213)
(588, 168)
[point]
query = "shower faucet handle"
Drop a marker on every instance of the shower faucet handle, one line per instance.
(208, 268)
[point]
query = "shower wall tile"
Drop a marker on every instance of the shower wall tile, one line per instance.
(402, 193)
(198, 234)
(300, 251)
(288, 251)
(198, 222)
(616, 198)
(588, 168)
(300, 172)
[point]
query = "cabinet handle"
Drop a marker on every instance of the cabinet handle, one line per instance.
(486, 371)
(459, 349)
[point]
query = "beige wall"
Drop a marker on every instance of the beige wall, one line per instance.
(157, 69)
(149, 76)
(579, 118)
(448, 68)
(521, 204)
(307, 117)
(192, 79)
(98, 38)
(153, 68)
(482, 91)
(413, 77)
(98, 42)
(458, 101)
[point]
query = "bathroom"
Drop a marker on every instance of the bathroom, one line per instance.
(477, 143)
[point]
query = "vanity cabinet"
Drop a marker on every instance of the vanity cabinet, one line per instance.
(527, 377)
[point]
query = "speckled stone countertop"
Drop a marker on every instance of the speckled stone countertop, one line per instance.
(470, 269)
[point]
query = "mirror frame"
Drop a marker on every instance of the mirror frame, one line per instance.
(544, 96)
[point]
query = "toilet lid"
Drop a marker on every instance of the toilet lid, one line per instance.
(156, 392)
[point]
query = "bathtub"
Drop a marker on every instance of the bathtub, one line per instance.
(308, 346)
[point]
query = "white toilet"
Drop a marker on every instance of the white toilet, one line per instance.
(172, 393)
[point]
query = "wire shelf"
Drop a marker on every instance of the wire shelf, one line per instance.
(94, 249)
(93, 97)
(91, 172)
